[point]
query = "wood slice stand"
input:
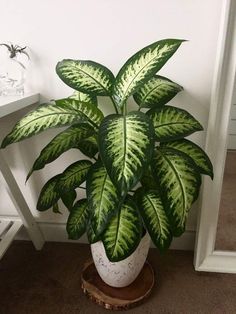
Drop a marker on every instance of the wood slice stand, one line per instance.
(117, 298)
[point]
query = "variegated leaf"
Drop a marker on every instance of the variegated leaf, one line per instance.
(123, 233)
(86, 76)
(126, 146)
(44, 117)
(73, 176)
(141, 67)
(92, 237)
(199, 157)
(179, 181)
(68, 198)
(82, 97)
(77, 220)
(103, 199)
(89, 146)
(49, 194)
(172, 123)
(60, 144)
(155, 219)
(93, 114)
(55, 209)
(148, 182)
(156, 92)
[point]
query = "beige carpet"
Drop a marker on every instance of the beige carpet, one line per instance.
(226, 230)
(48, 282)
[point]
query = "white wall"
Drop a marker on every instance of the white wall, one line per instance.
(108, 32)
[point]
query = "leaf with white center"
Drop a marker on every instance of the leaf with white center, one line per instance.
(171, 123)
(89, 146)
(155, 219)
(68, 198)
(126, 147)
(179, 182)
(77, 220)
(49, 194)
(44, 117)
(93, 114)
(86, 76)
(141, 67)
(199, 157)
(82, 97)
(60, 144)
(123, 233)
(156, 92)
(103, 199)
(74, 176)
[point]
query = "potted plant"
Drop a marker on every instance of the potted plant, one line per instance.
(142, 176)
(13, 70)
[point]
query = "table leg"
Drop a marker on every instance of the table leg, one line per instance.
(21, 205)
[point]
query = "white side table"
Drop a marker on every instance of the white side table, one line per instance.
(10, 227)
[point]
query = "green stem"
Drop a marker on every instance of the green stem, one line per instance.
(125, 109)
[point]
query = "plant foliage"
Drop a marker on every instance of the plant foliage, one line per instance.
(121, 151)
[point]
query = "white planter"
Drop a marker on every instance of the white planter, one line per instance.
(123, 273)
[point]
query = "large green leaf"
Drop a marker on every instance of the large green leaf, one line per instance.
(89, 146)
(49, 194)
(148, 182)
(60, 144)
(92, 237)
(82, 97)
(93, 114)
(86, 76)
(103, 199)
(141, 67)
(44, 117)
(154, 216)
(199, 157)
(126, 146)
(172, 123)
(68, 198)
(123, 233)
(156, 92)
(179, 181)
(74, 176)
(77, 220)
(55, 209)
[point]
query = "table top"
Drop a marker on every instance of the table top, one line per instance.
(10, 104)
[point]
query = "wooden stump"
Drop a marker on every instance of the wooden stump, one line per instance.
(117, 298)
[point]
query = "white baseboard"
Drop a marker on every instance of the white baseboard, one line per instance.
(56, 232)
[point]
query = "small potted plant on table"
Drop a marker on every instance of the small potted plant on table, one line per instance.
(142, 176)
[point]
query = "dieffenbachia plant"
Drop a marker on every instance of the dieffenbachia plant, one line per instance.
(141, 173)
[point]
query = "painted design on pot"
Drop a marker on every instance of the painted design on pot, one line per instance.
(123, 273)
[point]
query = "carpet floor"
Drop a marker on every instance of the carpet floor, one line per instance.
(48, 282)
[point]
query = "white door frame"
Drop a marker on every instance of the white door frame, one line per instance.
(206, 257)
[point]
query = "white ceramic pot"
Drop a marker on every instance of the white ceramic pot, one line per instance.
(123, 273)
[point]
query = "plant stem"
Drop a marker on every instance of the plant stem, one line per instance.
(114, 104)
(124, 109)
